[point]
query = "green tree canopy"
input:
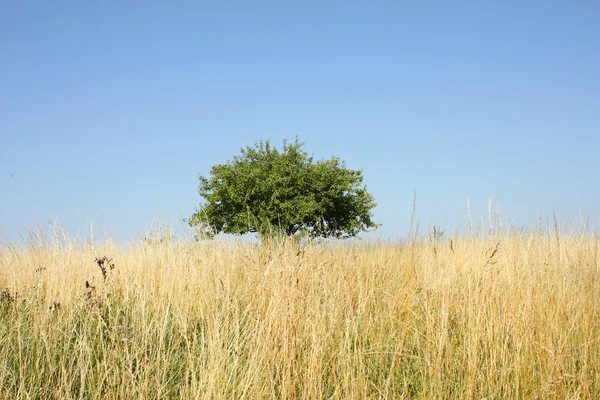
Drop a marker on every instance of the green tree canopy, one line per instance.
(284, 192)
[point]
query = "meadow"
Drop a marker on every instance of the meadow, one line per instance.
(497, 316)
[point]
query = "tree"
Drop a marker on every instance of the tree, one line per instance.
(283, 193)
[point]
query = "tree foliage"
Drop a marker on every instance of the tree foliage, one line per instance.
(283, 192)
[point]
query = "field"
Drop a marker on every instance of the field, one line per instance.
(486, 316)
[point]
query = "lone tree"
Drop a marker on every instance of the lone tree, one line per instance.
(283, 193)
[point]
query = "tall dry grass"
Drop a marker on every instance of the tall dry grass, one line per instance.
(514, 316)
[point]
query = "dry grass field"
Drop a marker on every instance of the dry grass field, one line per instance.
(498, 317)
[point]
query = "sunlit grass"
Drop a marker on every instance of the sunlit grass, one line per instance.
(514, 316)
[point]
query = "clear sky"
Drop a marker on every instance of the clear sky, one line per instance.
(109, 110)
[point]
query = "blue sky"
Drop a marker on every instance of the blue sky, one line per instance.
(109, 110)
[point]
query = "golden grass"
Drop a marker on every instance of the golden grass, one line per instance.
(496, 317)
